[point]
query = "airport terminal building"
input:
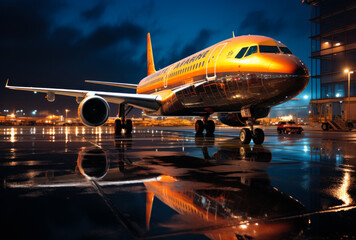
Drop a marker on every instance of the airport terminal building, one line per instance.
(333, 60)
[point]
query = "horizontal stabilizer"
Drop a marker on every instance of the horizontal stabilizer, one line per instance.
(115, 84)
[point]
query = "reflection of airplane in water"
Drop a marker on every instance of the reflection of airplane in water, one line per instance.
(232, 203)
(254, 210)
(222, 197)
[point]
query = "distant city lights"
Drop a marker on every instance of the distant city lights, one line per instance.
(286, 118)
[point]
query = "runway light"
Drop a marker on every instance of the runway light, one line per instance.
(337, 44)
(243, 226)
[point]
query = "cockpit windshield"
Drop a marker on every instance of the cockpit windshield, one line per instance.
(268, 49)
(247, 51)
(241, 52)
(251, 50)
(285, 50)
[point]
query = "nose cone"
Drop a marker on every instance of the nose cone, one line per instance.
(295, 71)
(300, 69)
(291, 76)
(288, 64)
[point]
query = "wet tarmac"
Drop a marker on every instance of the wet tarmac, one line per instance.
(167, 183)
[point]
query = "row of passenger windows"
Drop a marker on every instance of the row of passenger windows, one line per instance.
(187, 69)
(247, 51)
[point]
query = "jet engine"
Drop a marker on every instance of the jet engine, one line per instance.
(93, 111)
(93, 163)
(236, 120)
(232, 119)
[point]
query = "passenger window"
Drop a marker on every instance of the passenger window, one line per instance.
(242, 52)
(251, 50)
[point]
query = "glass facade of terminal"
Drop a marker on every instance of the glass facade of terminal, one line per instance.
(333, 47)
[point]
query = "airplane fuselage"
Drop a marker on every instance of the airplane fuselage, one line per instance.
(246, 71)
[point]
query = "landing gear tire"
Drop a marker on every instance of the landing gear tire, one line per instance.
(258, 136)
(245, 136)
(199, 127)
(325, 126)
(210, 127)
(128, 126)
(118, 126)
(350, 126)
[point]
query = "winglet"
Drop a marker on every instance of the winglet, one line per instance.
(233, 34)
(7, 82)
(150, 63)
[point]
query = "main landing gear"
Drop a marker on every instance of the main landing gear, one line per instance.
(257, 135)
(122, 123)
(205, 124)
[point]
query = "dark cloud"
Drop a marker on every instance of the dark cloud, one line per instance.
(22, 20)
(109, 35)
(198, 43)
(36, 52)
(260, 23)
(257, 22)
(95, 12)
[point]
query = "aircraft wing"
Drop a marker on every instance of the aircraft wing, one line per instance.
(145, 101)
(123, 85)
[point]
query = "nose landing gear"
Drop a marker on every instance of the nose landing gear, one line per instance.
(257, 135)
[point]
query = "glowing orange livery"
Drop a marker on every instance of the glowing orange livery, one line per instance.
(240, 79)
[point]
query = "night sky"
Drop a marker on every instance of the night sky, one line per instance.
(61, 43)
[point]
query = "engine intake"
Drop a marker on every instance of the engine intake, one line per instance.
(94, 111)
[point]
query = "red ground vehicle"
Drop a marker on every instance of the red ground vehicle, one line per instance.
(287, 127)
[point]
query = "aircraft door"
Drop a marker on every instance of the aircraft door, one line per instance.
(212, 60)
(166, 76)
(336, 110)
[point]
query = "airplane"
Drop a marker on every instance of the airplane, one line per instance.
(240, 78)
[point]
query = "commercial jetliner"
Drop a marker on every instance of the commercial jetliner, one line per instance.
(240, 78)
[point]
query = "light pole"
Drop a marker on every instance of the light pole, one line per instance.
(348, 91)
(67, 110)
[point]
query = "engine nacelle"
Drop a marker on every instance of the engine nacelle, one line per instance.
(94, 111)
(232, 119)
(236, 120)
(51, 97)
(93, 164)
